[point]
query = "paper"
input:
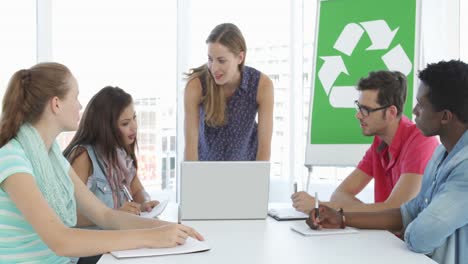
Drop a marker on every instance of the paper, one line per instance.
(282, 214)
(303, 229)
(157, 210)
(191, 246)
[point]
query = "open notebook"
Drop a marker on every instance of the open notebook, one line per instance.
(191, 246)
(157, 210)
(284, 214)
(303, 229)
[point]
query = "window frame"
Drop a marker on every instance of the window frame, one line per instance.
(295, 125)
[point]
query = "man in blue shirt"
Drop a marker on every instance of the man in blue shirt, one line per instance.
(435, 222)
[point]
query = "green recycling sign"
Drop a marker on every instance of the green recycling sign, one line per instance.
(355, 37)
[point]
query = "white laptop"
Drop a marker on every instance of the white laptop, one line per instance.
(224, 189)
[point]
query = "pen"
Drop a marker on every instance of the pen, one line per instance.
(127, 193)
(308, 179)
(295, 187)
(317, 214)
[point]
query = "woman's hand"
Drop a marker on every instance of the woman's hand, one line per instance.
(171, 235)
(148, 206)
(131, 207)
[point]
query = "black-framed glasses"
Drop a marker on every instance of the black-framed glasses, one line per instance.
(366, 111)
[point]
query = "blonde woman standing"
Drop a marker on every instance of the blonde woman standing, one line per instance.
(223, 100)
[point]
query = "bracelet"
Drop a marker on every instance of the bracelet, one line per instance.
(343, 218)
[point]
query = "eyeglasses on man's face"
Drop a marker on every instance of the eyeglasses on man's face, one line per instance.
(365, 110)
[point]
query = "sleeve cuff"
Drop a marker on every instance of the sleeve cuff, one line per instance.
(405, 216)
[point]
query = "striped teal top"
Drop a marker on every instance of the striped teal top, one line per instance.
(19, 243)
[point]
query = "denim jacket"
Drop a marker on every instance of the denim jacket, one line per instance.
(97, 182)
(436, 220)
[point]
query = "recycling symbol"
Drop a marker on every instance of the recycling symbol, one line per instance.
(381, 37)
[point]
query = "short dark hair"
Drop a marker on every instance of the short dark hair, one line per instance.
(447, 82)
(391, 85)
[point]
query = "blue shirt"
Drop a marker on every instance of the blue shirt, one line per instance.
(436, 220)
(237, 139)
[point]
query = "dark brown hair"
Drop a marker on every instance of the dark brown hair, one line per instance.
(392, 88)
(99, 126)
(27, 95)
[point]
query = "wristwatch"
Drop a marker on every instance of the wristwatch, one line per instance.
(343, 218)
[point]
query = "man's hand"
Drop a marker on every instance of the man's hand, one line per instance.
(303, 202)
(328, 218)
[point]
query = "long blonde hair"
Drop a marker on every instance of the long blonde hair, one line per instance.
(27, 95)
(214, 101)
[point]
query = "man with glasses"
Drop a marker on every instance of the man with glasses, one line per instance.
(397, 157)
(436, 221)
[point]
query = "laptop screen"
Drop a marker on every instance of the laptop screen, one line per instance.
(224, 189)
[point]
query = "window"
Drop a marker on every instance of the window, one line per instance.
(172, 170)
(173, 143)
(144, 48)
(164, 144)
(164, 172)
(463, 31)
(18, 38)
(132, 46)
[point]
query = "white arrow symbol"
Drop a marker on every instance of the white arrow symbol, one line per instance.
(343, 96)
(330, 70)
(349, 38)
(380, 34)
(397, 60)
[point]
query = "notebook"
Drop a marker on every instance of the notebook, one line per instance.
(191, 246)
(224, 190)
(284, 214)
(303, 229)
(157, 210)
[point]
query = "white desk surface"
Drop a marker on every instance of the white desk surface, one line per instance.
(270, 241)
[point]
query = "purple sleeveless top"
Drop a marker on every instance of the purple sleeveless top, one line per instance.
(237, 139)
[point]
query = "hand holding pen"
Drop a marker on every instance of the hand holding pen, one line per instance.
(303, 202)
(130, 206)
(316, 207)
(325, 217)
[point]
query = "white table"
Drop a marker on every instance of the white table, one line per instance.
(270, 241)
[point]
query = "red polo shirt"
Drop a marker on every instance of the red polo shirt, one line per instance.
(410, 151)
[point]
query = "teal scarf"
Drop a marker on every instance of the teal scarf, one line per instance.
(50, 175)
